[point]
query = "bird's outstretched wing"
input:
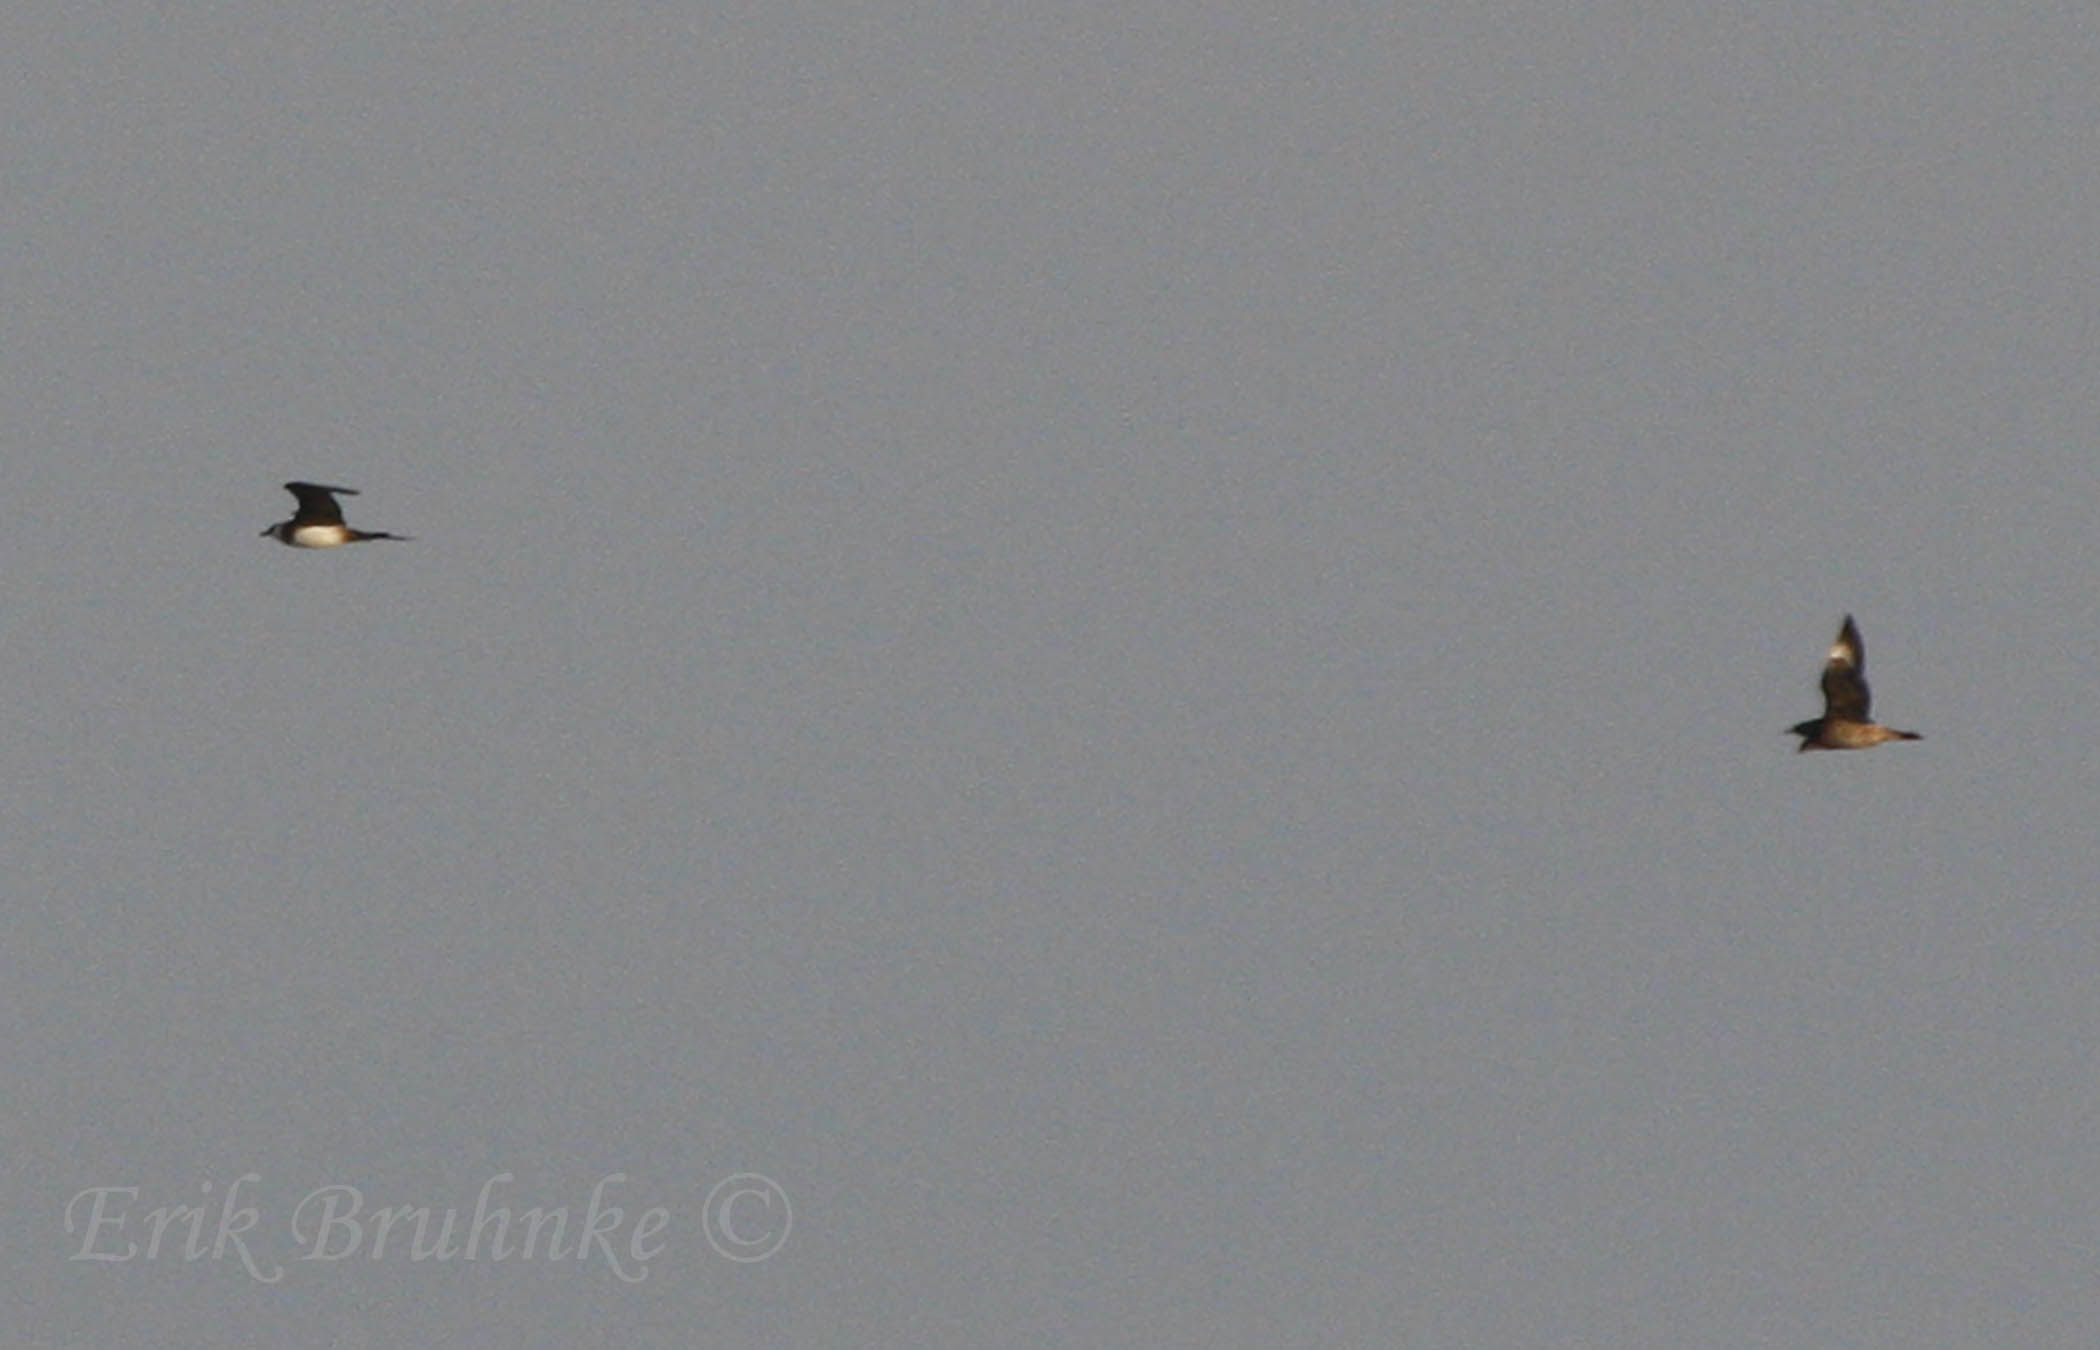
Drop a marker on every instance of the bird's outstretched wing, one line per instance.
(317, 505)
(1845, 694)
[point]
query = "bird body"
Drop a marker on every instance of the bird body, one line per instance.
(318, 523)
(1845, 724)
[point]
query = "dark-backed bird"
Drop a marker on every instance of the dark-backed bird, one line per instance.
(1844, 724)
(318, 523)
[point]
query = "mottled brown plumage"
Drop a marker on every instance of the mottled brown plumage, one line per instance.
(1845, 724)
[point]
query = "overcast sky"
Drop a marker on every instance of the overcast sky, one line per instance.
(1132, 656)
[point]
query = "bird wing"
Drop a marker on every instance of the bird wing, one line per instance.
(317, 505)
(1844, 676)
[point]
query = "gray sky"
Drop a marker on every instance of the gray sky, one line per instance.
(1139, 652)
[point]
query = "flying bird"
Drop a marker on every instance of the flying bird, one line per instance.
(1844, 724)
(318, 523)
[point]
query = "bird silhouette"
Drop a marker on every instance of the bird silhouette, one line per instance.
(318, 523)
(1845, 724)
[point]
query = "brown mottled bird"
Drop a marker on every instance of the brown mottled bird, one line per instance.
(1844, 724)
